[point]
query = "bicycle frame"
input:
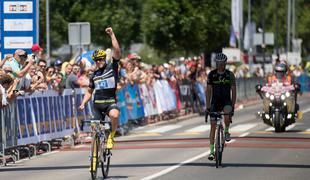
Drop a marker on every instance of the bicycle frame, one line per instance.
(99, 154)
(219, 137)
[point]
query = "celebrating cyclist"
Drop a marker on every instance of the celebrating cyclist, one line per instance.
(104, 82)
(221, 86)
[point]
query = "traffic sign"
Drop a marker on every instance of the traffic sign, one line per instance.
(79, 33)
(269, 38)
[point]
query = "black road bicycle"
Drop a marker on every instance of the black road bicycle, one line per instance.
(219, 137)
(99, 154)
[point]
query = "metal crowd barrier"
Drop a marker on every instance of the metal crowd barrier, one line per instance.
(36, 120)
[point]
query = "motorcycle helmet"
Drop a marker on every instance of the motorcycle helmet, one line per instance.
(280, 70)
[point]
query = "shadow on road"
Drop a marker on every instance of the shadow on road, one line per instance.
(245, 165)
(252, 165)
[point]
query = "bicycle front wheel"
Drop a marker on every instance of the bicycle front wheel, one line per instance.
(218, 148)
(106, 155)
(94, 157)
(105, 163)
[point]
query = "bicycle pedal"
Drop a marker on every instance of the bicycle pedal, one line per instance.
(109, 154)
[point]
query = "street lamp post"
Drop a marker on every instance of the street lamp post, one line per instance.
(250, 35)
(263, 33)
(47, 33)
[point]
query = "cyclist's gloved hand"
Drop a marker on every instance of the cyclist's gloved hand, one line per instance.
(207, 114)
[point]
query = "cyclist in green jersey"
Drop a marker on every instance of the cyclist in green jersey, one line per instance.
(221, 92)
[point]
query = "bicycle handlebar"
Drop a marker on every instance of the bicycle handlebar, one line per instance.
(219, 113)
(95, 121)
(92, 121)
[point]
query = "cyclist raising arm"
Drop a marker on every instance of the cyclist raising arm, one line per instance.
(104, 81)
(222, 88)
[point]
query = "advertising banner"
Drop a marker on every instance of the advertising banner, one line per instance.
(19, 25)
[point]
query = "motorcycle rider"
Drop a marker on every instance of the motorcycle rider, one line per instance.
(281, 76)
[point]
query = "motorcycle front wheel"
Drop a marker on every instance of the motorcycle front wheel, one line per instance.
(277, 122)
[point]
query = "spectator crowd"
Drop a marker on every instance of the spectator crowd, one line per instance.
(22, 73)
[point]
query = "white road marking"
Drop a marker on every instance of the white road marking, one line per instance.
(166, 171)
(306, 110)
(164, 129)
(270, 129)
(290, 127)
(244, 134)
(201, 128)
(287, 128)
(172, 168)
(243, 127)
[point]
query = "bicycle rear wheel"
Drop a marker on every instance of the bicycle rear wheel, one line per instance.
(94, 157)
(105, 161)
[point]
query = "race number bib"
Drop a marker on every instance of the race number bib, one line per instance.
(105, 84)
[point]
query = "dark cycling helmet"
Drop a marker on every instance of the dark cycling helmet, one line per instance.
(98, 54)
(220, 57)
(57, 62)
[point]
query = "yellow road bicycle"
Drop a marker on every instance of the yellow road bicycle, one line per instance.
(99, 154)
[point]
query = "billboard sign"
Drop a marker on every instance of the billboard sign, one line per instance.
(18, 25)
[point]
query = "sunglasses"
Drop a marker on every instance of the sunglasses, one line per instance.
(8, 71)
(23, 56)
(100, 59)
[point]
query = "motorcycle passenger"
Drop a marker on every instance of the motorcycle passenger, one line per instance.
(221, 94)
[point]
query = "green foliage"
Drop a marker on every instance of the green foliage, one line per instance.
(189, 26)
(119, 14)
(303, 24)
(168, 27)
(150, 56)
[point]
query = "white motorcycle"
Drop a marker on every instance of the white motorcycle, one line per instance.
(279, 105)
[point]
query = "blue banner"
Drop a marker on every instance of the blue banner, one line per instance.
(201, 93)
(121, 103)
(134, 103)
(22, 119)
(304, 81)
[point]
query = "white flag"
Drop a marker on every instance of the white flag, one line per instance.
(237, 16)
(249, 33)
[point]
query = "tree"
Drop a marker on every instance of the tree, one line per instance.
(189, 26)
(303, 24)
(119, 14)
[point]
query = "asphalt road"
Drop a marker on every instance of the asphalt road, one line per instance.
(179, 149)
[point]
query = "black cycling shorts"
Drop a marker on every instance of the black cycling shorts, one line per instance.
(103, 109)
(218, 106)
